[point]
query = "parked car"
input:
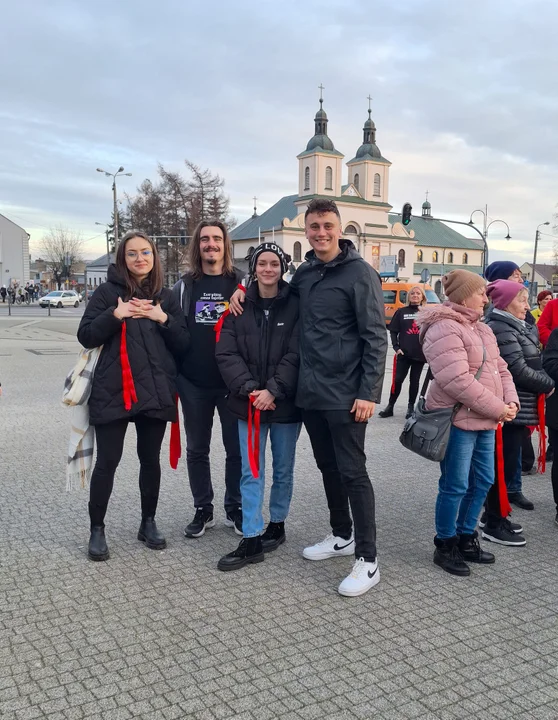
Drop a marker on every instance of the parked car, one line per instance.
(395, 296)
(60, 298)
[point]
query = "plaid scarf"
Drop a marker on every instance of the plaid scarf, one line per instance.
(77, 388)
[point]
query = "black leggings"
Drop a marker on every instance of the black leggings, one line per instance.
(553, 437)
(402, 368)
(110, 443)
(512, 436)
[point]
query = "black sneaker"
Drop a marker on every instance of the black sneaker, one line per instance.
(511, 526)
(234, 519)
(202, 519)
(248, 552)
(502, 536)
(273, 536)
(519, 500)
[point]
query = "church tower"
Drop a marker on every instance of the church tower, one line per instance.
(368, 170)
(320, 165)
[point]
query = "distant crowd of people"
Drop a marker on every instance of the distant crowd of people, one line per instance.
(270, 356)
(17, 293)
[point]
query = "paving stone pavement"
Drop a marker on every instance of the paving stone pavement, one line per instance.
(166, 635)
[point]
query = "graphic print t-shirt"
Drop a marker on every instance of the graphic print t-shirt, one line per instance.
(405, 332)
(210, 299)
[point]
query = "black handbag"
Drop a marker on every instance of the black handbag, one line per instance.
(427, 432)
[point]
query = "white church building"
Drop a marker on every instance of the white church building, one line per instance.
(362, 196)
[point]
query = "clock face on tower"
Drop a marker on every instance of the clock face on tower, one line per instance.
(351, 191)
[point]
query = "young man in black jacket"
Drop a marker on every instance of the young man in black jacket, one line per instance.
(203, 293)
(257, 354)
(342, 360)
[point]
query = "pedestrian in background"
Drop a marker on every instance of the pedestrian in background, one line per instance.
(519, 347)
(142, 330)
(408, 351)
(257, 354)
(457, 346)
(542, 300)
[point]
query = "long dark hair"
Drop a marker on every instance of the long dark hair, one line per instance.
(153, 284)
(194, 256)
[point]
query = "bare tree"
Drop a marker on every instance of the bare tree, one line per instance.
(62, 248)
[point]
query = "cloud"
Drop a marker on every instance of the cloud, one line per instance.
(462, 97)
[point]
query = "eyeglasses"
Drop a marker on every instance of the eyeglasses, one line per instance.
(133, 255)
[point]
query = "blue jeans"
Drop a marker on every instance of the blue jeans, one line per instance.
(467, 475)
(283, 445)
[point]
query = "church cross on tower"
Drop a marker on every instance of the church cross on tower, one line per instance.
(321, 88)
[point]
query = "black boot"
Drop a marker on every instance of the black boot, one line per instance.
(150, 535)
(249, 551)
(410, 410)
(519, 500)
(98, 549)
(448, 557)
(387, 411)
(470, 549)
(273, 536)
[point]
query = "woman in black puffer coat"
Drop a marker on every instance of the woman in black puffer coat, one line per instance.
(257, 354)
(519, 347)
(142, 330)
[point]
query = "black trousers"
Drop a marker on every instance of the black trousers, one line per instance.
(527, 450)
(404, 364)
(512, 436)
(338, 446)
(110, 443)
(553, 436)
(198, 405)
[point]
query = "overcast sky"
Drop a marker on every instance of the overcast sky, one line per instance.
(464, 99)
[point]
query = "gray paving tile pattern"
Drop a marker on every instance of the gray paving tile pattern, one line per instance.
(166, 635)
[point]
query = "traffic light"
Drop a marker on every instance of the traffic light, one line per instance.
(406, 213)
(182, 232)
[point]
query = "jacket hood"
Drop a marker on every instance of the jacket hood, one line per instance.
(430, 314)
(495, 316)
(114, 275)
(348, 254)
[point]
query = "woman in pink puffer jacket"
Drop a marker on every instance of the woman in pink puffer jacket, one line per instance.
(454, 342)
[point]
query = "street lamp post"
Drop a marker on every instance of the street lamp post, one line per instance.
(484, 234)
(120, 171)
(107, 236)
(532, 286)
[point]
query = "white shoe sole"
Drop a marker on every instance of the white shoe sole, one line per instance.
(515, 532)
(326, 554)
(230, 523)
(207, 525)
(508, 543)
(360, 591)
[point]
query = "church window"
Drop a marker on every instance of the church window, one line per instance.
(438, 288)
(356, 180)
(351, 229)
(307, 178)
(377, 185)
(329, 178)
(465, 259)
(401, 258)
(450, 257)
(435, 256)
(419, 256)
(250, 251)
(297, 252)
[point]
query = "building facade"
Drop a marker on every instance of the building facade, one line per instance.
(14, 253)
(366, 217)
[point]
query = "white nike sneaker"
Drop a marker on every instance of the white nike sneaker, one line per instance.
(332, 546)
(364, 576)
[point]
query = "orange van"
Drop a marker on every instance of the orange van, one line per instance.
(395, 296)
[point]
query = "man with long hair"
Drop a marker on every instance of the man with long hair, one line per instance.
(204, 292)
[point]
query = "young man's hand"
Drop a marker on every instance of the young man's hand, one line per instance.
(235, 303)
(363, 410)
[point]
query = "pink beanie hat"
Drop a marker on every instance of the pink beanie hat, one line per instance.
(502, 292)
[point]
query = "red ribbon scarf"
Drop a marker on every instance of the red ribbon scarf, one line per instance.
(254, 442)
(175, 444)
(541, 465)
(505, 507)
(128, 387)
(393, 373)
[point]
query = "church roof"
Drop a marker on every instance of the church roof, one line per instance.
(271, 218)
(433, 233)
